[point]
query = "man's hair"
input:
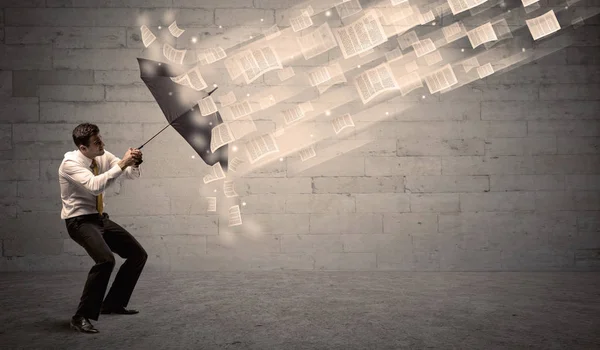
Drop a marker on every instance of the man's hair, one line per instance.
(83, 132)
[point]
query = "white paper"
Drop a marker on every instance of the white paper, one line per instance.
(235, 216)
(454, 31)
(458, 6)
(212, 203)
(291, 115)
(441, 79)
(191, 78)
(360, 36)
(423, 47)
(174, 30)
(342, 122)
(256, 62)
(410, 82)
(227, 99)
(482, 34)
(220, 136)
(348, 8)
(147, 36)
(408, 39)
(301, 22)
(172, 54)
(216, 173)
(235, 163)
(485, 70)
(393, 55)
(470, 63)
(374, 82)
(208, 56)
(229, 189)
(260, 147)
(427, 17)
(433, 58)
(238, 110)
(543, 25)
(307, 153)
(233, 66)
(207, 106)
(528, 2)
(317, 42)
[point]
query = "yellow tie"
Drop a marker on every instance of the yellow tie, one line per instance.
(99, 202)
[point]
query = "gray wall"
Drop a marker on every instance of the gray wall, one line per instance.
(502, 174)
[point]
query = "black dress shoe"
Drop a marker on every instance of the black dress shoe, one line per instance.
(119, 311)
(83, 325)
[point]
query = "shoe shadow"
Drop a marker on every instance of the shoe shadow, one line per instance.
(53, 326)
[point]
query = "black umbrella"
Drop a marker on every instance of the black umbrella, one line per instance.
(180, 106)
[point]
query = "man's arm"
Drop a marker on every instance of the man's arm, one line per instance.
(130, 172)
(79, 174)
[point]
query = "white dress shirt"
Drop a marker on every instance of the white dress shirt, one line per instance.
(79, 186)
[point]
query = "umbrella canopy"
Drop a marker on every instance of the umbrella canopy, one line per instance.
(179, 104)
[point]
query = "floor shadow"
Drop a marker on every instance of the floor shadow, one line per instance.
(53, 326)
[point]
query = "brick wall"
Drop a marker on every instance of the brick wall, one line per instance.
(500, 174)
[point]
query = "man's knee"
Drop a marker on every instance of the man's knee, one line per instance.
(108, 261)
(141, 256)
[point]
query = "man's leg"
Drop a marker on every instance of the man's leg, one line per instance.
(87, 232)
(123, 243)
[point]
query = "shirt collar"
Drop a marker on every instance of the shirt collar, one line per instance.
(84, 159)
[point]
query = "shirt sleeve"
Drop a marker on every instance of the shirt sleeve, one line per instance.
(77, 173)
(130, 172)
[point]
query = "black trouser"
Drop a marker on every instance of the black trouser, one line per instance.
(100, 236)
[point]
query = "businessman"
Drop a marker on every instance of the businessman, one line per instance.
(84, 175)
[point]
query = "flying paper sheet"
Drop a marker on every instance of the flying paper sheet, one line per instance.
(235, 216)
(147, 36)
(207, 106)
(423, 47)
(360, 36)
(173, 54)
(454, 31)
(256, 62)
(229, 189)
(342, 122)
(458, 6)
(227, 99)
(485, 70)
(441, 79)
(174, 30)
(374, 82)
(216, 173)
(212, 203)
(319, 41)
(543, 25)
(191, 78)
(410, 82)
(348, 8)
(301, 22)
(482, 34)
(307, 153)
(260, 147)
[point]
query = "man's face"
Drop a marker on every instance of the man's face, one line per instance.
(96, 147)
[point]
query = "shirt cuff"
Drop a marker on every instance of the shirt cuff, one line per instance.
(114, 172)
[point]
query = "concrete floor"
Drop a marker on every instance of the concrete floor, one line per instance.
(313, 310)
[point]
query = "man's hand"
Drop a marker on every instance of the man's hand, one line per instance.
(131, 157)
(137, 155)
